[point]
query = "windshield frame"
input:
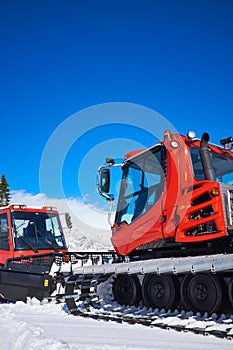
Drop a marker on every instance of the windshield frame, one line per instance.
(149, 187)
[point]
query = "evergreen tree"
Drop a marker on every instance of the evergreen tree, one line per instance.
(4, 192)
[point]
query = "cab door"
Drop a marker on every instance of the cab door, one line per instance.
(139, 214)
(5, 252)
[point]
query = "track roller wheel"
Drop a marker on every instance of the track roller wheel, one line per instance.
(127, 290)
(230, 290)
(202, 293)
(160, 291)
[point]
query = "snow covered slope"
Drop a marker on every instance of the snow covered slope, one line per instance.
(33, 326)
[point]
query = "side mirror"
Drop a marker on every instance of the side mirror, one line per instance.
(105, 180)
(68, 220)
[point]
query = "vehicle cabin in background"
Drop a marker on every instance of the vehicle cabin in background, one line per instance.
(26, 231)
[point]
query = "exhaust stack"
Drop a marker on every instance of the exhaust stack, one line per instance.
(206, 158)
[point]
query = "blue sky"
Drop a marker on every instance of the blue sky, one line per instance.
(59, 57)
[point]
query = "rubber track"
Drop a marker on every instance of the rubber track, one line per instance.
(222, 331)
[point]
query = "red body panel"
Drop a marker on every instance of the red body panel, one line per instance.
(146, 228)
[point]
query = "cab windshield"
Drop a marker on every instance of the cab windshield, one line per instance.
(222, 165)
(37, 231)
(142, 185)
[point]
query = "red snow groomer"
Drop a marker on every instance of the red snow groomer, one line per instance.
(175, 194)
(26, 231)
(29, 239)
(174, 223)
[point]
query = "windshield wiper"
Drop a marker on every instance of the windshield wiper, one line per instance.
(29, 244)
(47, 239)
(22, 237)
(51, 243)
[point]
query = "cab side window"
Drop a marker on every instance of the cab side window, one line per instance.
(4, 233)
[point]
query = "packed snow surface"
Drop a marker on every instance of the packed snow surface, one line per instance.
(36, 327)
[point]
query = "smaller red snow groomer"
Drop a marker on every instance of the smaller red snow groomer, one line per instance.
(26, 231)
(29, 237)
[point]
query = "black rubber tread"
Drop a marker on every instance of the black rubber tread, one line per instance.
(127, 290)
(202, 293)
(85, 286)
(160, 291)
(147, 321)
(230, 290)
(69, 290)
